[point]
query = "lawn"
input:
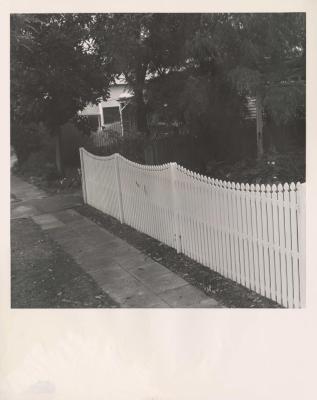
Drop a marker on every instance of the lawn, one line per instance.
(44, 276)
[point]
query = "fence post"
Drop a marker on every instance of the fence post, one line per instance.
(119, 190)
(83, 175)
(175, 207)
(302, 243)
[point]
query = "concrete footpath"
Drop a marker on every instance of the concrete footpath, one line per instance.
(128, 276)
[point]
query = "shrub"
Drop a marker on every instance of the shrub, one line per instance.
(273, 168)
(25, 140)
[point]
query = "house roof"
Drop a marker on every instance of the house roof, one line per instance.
(118, 92)
(125, 95)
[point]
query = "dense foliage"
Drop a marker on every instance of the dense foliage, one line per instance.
(190, 73)
(53, 72)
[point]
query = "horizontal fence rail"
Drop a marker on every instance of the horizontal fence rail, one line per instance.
(252, 234)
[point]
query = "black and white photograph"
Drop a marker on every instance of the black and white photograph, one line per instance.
(158, 160)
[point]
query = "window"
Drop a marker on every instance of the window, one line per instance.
(111, 114)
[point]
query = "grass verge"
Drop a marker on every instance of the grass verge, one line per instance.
(44, 276)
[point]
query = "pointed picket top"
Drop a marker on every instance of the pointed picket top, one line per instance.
(229, 185)
(212, 181)
(262, 187)
(280, 187)
(252, 187)
(205, 178)
(286, 186)
(187, 171)
(257, 187)
(247, 187)
(233, 185)
(238, 186)
(292, 186)
(274, 188)
(298, 185)
(242, 186)
(268, 188)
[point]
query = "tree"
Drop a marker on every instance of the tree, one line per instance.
(141, 45)
(195, 89)
(54, 72)
(270, 64)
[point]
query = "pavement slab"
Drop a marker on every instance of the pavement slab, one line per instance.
(126, 288)
(47, 221)
(23, 211)
(68, 215)
(58, 202)
(162, 282)
(183, 296)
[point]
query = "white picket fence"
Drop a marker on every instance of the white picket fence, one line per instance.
(254, 235)
(106, 135)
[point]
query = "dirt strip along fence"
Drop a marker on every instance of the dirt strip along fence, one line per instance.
(252, 234)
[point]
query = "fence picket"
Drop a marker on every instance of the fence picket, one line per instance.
(209, 225)
(294, 245)
(271, 243)
(280, 199)
(265, 241)
(213, 224)
(249, 237)
(226, 228)
(244, 236)
(254, 229)
(189, 231)
(205, 223)
(231, 232)
(218, 225)
(301, 220)
(277, 265)
(251, 234)
(236, 232)
(260, 239)
(200, 254)
(240, 237)
(289, 270)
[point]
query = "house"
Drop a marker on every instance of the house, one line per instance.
(115, 114)
(109, 120)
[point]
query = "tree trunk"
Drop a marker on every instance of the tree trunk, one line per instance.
(141, 120)
(58, 152)
(141, 108)
(259, 126)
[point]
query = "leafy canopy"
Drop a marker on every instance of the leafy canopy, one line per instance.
(54, 73)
